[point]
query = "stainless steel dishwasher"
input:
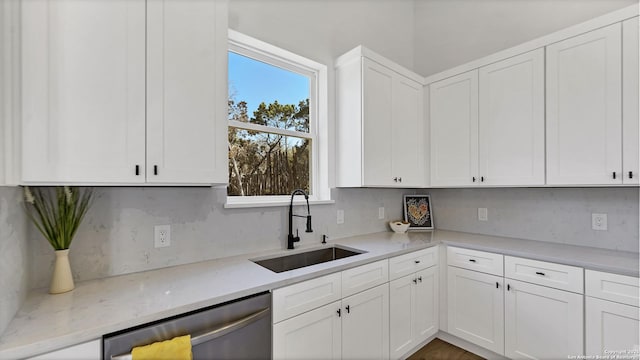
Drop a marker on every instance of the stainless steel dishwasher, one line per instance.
(240, 329)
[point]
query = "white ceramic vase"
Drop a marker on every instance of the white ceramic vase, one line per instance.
(62, 280)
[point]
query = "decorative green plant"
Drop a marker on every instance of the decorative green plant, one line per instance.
(57, 213)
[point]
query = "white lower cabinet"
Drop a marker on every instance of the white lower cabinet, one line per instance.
(476, 308)
(611, 328)
(91, 350)
(316, 334)
(355, 328)
(612, 315)
(344, 315)
(413, 310)
(365, 324)
(541, 322)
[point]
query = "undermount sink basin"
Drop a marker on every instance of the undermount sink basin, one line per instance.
(295, 261)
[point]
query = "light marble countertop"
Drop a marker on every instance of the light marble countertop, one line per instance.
(49, 322)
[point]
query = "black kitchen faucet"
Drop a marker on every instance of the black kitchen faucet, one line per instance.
(293, 239)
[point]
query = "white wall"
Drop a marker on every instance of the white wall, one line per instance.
(14, 256)
(452, 32)
(322, 30)
(560, 215)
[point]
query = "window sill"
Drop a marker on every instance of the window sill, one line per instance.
(235, 204)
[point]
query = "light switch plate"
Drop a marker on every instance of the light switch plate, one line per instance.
(483, 214)
(599, 222)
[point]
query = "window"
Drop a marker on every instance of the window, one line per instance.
(277, 132)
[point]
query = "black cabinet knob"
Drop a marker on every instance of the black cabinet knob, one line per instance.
(630, 174)
(614, 175)
(137, 170)
(348, 309)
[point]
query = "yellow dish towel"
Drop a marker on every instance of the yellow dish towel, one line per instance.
(178, 348)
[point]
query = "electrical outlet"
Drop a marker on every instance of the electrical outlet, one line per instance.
(162, 236)
(483, 214)
(340, 217)
(599, 222)
(381, 212)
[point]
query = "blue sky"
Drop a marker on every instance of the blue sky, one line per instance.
(255, 82)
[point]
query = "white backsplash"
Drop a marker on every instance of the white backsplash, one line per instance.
(14, 261)
(116, 237)
(560, 215)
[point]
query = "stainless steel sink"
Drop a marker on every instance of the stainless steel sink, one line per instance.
(295, 261)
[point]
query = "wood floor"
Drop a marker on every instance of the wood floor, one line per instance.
(441, 350)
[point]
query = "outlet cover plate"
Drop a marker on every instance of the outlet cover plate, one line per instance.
(340, 217)
(381, 212)
(161, 236)
(599, 222)
(483, 214)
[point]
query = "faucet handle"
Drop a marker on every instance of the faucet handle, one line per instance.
(309, 224)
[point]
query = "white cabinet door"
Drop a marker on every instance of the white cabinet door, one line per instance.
(316, 334)
(413, 310)
(401, 316)
(83, 91)
(454, 130)
(91, 350)
(511, 121)
(542, 323)
(408, 133)
(186, 118)
(365, 324)
(377, 114)
(630, 128)
(611, 328)
(426, 304)
(380, 125)
(476, 308)
(584, 135)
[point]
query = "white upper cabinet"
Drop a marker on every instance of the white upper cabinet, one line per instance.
(123, 92)
(584, 102)
(487, 125)
(630, 128)
(186, 92)
(380, 125)
(511, 121)
(454, 130)
(83, 91)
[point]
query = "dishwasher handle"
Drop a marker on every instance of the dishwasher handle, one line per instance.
(216, 333)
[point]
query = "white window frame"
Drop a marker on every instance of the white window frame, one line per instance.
(318, 119)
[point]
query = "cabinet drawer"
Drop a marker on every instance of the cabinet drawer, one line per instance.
(295, 299)
(364, 277)
(563, 277)
(613, 287)
(482, 261)
(406, 264)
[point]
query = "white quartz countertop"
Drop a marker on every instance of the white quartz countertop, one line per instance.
(50, 322)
